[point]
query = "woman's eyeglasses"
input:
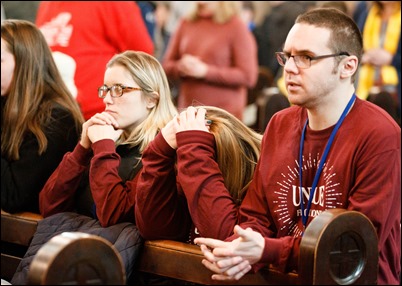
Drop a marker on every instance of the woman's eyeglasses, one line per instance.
(116, 90)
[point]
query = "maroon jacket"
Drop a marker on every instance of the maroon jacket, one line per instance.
(103, 176)
(195, 202)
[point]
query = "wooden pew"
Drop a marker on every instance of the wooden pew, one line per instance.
(182, 261)
(338, 247)
(76, 258)
(17, 231)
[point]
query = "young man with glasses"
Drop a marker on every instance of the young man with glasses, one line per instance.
(329, 150)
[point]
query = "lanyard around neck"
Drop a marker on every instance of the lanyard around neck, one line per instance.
(321, 162)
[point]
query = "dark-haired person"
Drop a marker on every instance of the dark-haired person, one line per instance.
(40, 119)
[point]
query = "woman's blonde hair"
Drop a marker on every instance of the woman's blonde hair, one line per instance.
(35, 90)
(148, 73)
(224, 11)
(237, 150)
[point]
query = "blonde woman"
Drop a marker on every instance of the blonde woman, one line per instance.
(196, 172)
(213, 56)
(99, 178)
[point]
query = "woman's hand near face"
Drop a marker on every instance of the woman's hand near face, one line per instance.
(169, 133)
(100, 119)
(192, 119)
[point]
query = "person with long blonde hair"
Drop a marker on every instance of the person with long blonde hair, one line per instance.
(99, 177)
(199, 167)
(40, 119)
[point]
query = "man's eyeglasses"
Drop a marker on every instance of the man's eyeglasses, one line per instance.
(303, 61)
(116, 90)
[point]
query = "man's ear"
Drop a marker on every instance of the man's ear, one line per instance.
(349, 66)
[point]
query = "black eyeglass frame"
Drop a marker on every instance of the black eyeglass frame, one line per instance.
(282, 58)
(104, 89)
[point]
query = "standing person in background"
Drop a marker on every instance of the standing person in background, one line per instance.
(329, 145)
(91, 33)
(380, 23)
(214, 56)
(40, 120)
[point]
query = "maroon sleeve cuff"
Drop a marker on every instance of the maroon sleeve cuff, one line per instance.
(195, 136)
(161, 146)
(81, 155)
(104, 145)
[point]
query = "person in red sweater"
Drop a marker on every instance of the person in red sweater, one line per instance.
(329, 150)
(213, 57)
(195, 170)
(99, 177)
(91, 33)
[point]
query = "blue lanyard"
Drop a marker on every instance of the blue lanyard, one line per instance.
(322, 161)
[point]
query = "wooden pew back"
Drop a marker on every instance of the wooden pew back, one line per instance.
(76, 258)
(338, 247)
(17, 231)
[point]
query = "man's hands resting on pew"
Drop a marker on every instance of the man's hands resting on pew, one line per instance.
(232, 260)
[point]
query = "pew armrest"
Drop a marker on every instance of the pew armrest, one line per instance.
(74, 258)
(339, 247)
(19, 228)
